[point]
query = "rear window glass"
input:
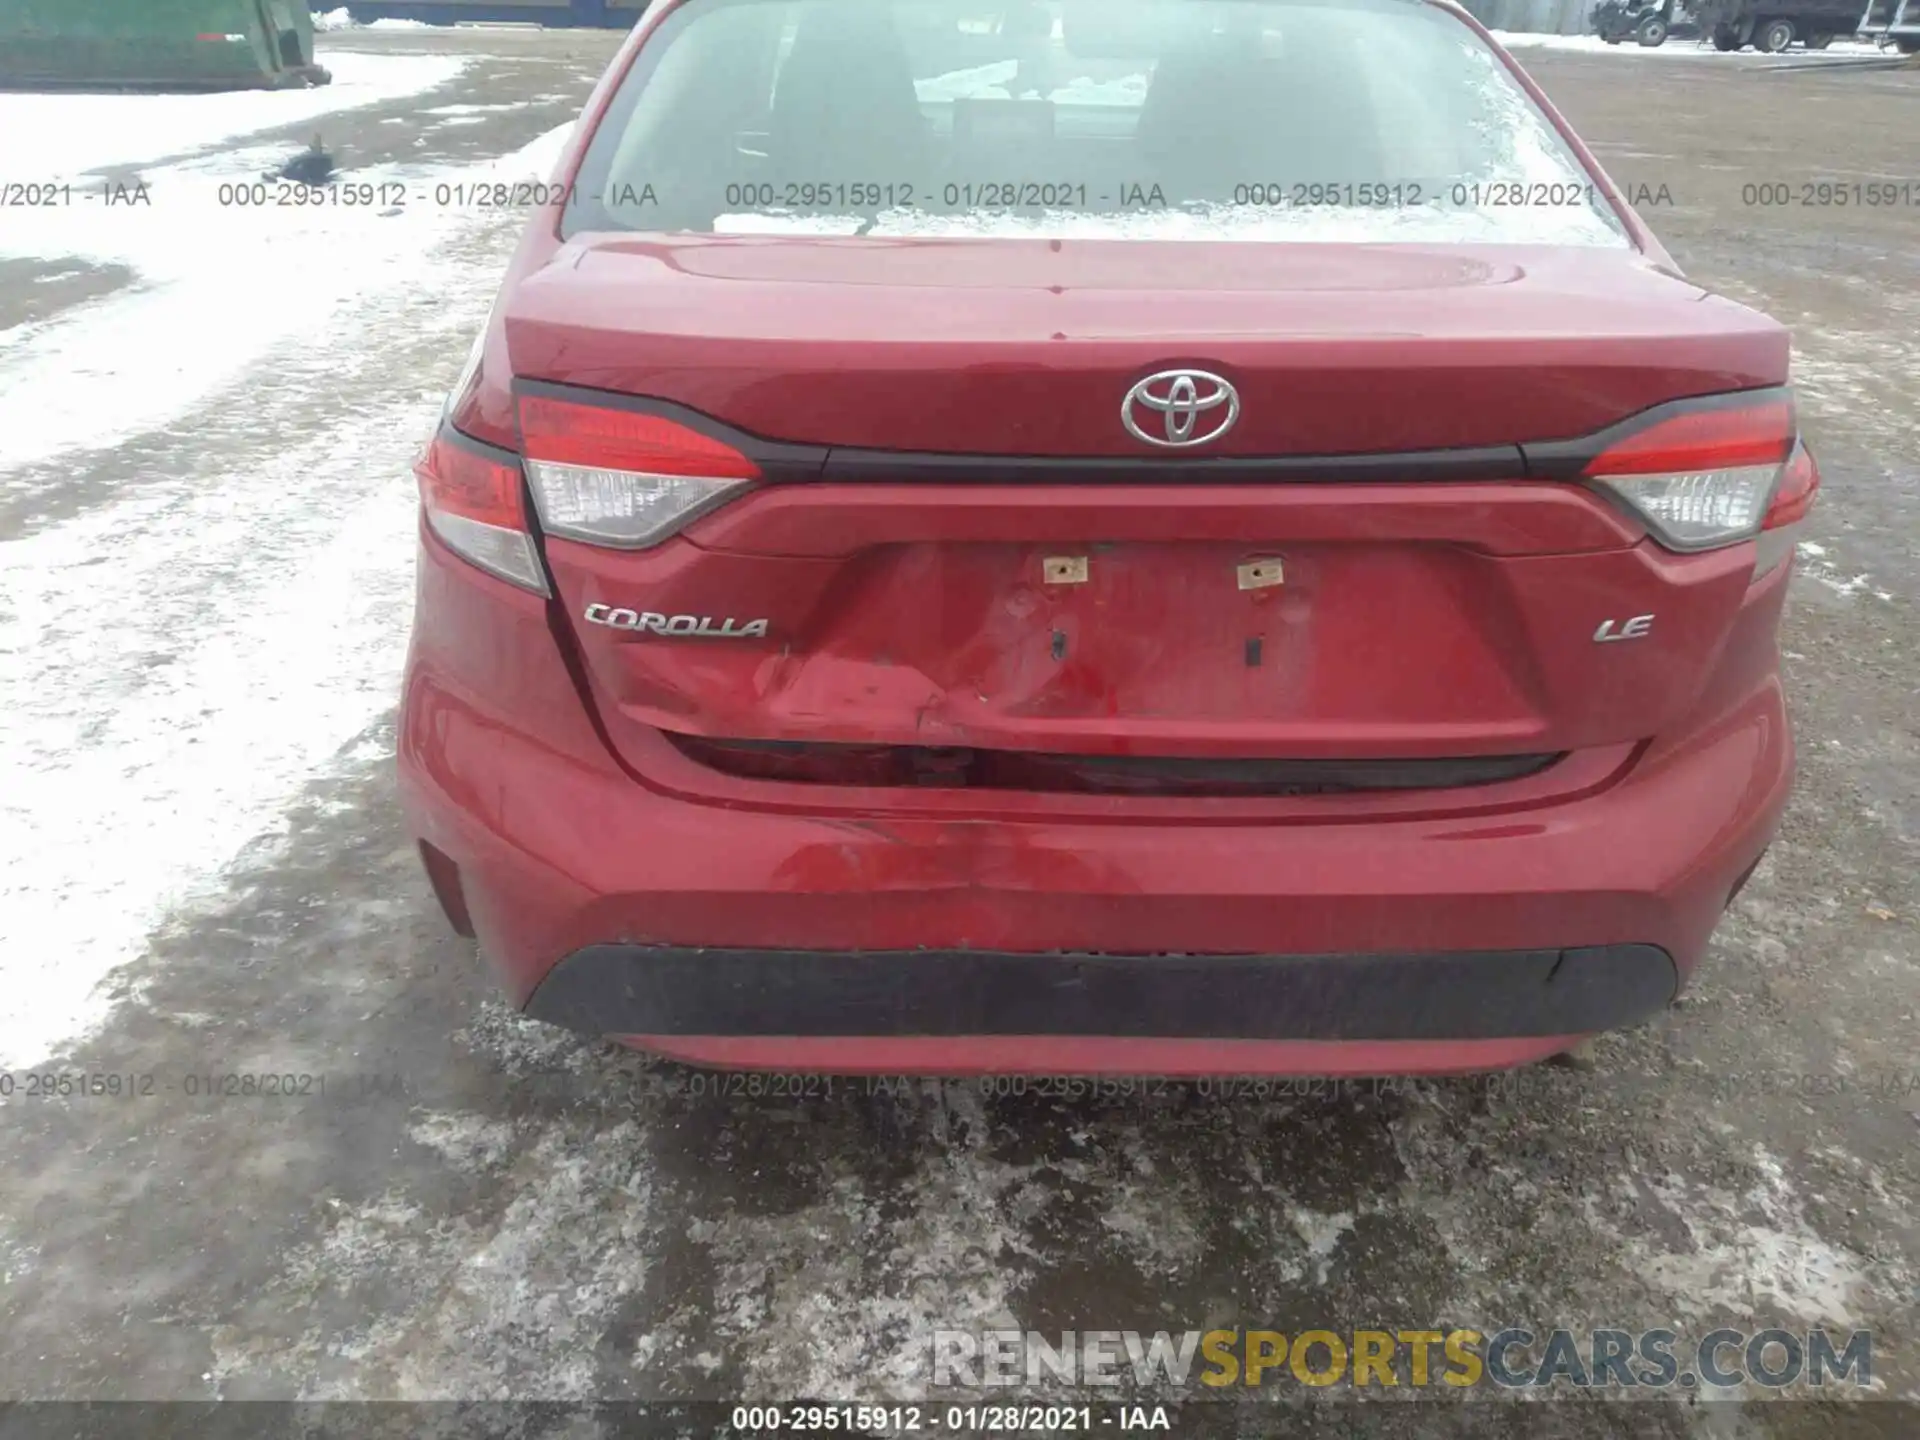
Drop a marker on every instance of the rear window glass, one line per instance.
(1157, 119)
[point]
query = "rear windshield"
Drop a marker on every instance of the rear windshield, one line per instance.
(1154, 119)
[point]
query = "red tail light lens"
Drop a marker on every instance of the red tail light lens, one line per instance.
(1792, 502)
(473, 503)
(621, 477)
(1720, 438)
(1793, 496)
(1703, 477)
(475, 406)
(568, 433)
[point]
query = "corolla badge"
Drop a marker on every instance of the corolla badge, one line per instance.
(1167, 409)
(620, 618)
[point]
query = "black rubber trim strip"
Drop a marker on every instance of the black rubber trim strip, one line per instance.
(1452, 995)
(1492, 462)
(1568, 459)
(1122, 774)
(781, 461)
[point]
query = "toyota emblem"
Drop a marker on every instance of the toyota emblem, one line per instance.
(1174, 403)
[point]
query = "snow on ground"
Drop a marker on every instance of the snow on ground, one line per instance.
(188, 326)
(238, 278)
(472, 109)
(179, 661)
(56, 137)
(1694, 49)
(342, 19)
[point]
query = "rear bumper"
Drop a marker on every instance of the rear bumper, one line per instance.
(780, 937)
(665, 991)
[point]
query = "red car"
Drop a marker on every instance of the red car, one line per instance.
(1252, 560)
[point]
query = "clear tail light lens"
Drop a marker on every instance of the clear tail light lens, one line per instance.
(1700, 509)
(1705, 478)
(620, 477)
(474, 503)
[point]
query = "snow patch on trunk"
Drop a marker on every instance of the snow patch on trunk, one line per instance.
(1324, 224)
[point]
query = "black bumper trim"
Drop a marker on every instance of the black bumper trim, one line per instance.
(1453, 995)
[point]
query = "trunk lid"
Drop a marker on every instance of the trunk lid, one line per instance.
(950, 579)
(1025, 347)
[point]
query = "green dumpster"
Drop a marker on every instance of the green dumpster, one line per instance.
(157, 44)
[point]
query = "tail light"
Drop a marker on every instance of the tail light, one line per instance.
(1714, 475)
(474, 502)
(1792, 502)
(621, 477)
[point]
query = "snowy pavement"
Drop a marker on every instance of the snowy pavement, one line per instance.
(206, 531)
(257, 566)
(58, 137)
(340, 18)
(1681, 49)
